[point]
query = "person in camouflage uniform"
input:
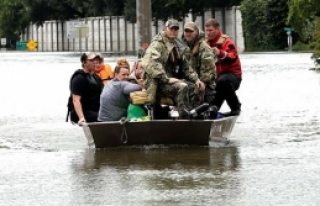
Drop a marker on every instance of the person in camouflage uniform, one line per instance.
(201, 58)
(167, 71)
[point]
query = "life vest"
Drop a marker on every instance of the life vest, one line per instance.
(88, 102)
(105, 73)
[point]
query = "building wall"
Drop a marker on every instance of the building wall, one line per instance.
(115, 35)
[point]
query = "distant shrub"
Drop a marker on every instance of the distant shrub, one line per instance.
(313, 45)
(299, 46)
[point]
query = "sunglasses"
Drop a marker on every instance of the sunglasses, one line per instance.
(188, 31)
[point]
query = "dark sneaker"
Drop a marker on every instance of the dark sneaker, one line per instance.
(235, 113)
(232, 113)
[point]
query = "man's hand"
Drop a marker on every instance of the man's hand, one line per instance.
(200, 85)
(81, 121)
(137, 70)
(216, 51)
(141, 83)
(173, 80)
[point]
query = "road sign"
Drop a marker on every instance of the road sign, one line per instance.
(21, 45)
(70, 27)
(3, 41)
(31, 45)
(288, 29)
(80, 31)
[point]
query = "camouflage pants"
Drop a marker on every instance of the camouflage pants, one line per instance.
(196, 97)
(152, 87)
(179, 92)
(209, 92)
(199, 97)
(185, 94)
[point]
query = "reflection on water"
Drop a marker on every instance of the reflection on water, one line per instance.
(273, 157)
(187, 157)
(166, 175)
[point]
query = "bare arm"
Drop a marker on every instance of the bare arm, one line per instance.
(78, 108)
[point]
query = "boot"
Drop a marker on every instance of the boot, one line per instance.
(234, 112)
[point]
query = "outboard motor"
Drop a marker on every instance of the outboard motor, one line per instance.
(199, 110)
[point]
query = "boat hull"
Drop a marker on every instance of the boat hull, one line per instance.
(164, 132)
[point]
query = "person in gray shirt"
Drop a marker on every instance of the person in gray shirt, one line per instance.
(115, 99)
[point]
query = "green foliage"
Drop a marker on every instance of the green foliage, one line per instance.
(299, 46)
(263, 23)
(130, 11)
(15, 15)
(302, 14)
(178, 9)
(313, 45)
(316, 54)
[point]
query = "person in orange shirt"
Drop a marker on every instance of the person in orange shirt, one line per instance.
(103, 70)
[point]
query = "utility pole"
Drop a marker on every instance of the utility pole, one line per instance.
(143, 26)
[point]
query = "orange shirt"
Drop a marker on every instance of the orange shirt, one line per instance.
(105, 73)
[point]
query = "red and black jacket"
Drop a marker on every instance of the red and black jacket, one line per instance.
(228, 59)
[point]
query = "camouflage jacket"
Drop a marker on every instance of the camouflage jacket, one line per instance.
(156, 62)
(201, 58)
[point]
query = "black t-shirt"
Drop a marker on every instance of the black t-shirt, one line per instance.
(89, 87)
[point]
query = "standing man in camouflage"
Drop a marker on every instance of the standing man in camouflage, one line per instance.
(166, 68)
(201, 58)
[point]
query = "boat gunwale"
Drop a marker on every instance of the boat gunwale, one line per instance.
(161, 120)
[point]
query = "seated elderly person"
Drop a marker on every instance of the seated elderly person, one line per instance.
(115, 99)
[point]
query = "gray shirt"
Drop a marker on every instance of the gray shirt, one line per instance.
(114, 99)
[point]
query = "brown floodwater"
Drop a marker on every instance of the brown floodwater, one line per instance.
(272, 157)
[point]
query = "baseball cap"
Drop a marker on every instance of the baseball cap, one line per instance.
(172, 23)
(191, 26)
(87, 55)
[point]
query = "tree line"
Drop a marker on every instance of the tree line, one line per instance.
(263, 21)
(304, 16)
(15, 15)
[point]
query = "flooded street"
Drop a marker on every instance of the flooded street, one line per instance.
(273, 156)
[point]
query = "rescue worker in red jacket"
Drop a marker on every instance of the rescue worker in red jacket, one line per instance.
(228, 67)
